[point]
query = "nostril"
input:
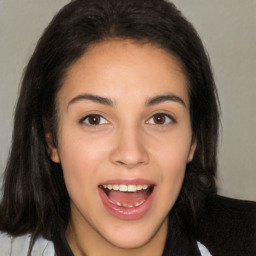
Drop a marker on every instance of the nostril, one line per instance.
(120, 162)
(129, 165)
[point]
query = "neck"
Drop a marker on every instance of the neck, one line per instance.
(84, 240)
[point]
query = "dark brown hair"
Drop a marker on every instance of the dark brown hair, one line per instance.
(35, 199)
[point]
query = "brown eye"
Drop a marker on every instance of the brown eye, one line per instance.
(94, 120)
(159, 119)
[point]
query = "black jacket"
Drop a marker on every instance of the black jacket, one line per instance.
(228, 227)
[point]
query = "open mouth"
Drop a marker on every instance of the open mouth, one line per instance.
(128, 196)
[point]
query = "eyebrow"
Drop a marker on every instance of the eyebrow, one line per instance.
(91, 97)
(164, 98)
(108, 102)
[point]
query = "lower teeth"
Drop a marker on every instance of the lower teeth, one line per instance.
(128, 205)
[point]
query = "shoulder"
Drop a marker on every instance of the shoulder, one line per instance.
(228, 226)
(13, 246)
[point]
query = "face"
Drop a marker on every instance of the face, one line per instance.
(124, 140)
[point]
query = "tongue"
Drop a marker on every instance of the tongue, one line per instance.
(129, 198)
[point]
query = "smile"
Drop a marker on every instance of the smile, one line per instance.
(127, 188)
(127, 201)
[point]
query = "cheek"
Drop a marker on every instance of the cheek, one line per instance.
(79, 150)
(171, 180)
(171, 159)
(80, 159)
(172, 151)
(173, 164)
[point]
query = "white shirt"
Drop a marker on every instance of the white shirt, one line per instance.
(10, 246)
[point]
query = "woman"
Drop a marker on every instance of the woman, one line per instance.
(115, 137)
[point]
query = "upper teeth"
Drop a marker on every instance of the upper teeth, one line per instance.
(126, 188)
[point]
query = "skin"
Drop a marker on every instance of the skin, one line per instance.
(127, 142)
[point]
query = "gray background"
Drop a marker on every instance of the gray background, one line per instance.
(228, 30)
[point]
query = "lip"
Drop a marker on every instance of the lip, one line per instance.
(128, 182)
(126, 213)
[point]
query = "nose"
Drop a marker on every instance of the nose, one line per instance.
(129, 150)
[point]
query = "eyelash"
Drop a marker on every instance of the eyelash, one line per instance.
(168, 119)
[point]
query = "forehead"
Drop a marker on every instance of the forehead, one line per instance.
(117, 67)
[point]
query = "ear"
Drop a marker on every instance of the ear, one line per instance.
(192, 151)
(52, 149)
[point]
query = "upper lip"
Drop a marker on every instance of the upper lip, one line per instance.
(128, 182)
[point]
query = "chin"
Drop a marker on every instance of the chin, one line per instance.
(130, 241)
(132, 236)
